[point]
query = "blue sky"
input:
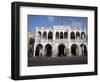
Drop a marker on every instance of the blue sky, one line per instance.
(49, 21)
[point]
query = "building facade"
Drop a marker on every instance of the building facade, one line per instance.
(60, 40)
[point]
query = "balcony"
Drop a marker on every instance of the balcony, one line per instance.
(79, 40)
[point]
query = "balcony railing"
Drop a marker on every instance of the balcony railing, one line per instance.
(61, 40)
(79, 40)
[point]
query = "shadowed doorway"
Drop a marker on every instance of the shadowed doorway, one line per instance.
(74, 49)
(48, 49)
(61, 48)
(38, 48)
(84, 49)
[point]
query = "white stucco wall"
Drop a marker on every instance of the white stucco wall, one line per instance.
(56, 42)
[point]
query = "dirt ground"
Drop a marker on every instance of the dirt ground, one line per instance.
(47, 61)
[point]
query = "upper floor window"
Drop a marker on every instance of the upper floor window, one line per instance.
(61, 35)
(72, 35)
(50, 35)
(57, 35)
(44, 35)
(65, 35)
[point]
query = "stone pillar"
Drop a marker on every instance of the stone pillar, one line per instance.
(44, 51)
(53, 44)
(47, 35)
(69, 52)
(68, 42)
(54, 51)
(42, 34)
(53, 31)
(66, 52)
(80, 51)
(77, 52)
(83, 50)
(34, 48)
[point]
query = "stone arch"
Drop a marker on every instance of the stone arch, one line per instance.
(50, 35)
(65, 35)
(82, 35)
(77, 35)
(83, 49)
(38, 48)
(72, 35)
(57, 35)
(61, 35)
(45, 35)
(48, 49)
(74, 49)
(61, 50)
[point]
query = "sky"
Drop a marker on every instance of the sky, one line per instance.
(49, 21)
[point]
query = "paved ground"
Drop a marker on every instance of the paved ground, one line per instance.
(45, 61)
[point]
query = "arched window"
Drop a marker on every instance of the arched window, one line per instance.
(39, 34)
(61, 35)
(77, 35)
(57, 35)
(50, 35)
(65, 35)
(45, 35)
(72, 35)
(82, 35)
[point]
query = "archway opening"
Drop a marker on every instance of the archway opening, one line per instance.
(61, 49)
(72, 35)
(82, 35)
(61, 35)
(57, 35)
(38, 48)
(74, 50)
(77, 35)
(48, 49)
(39, 33)
(45, 35)
(65, 35)
(84, 49)
(50, 35)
